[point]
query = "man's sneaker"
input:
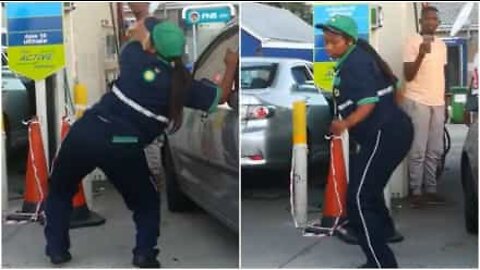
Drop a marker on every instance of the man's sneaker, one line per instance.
(416, 201)
(60, 258)
(434, 199)
(146, 261)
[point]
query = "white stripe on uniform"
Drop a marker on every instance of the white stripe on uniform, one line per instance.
(367, 166)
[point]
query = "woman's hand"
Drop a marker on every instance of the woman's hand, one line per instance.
(139, 9)
(337, 127)
(231, 62)
(231, 58)
(140, 33)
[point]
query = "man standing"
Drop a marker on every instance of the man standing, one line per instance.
(425, 57)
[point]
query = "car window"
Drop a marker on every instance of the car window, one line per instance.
(212, 66)
(10, 82)
(310, 69)
(257, 76)
(301, 74)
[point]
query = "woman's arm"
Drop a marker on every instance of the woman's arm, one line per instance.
(231, 62)
(139, 9)
(363, 111)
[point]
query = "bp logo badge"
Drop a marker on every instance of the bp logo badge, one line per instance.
(149, 75)
(336, 92)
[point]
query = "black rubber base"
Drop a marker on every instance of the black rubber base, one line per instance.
(29, 207)
(21, 216)
(83, 217)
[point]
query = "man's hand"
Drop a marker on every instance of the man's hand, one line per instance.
(425, 47)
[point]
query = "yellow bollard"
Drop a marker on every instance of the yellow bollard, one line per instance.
(298, 175)
(80, 96)
(299, 122)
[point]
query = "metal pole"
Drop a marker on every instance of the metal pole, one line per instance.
(59, 100)
(118, 34)
(4, 170)
(165, 11)
(194, 42)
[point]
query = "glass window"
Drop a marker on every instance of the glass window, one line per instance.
(301, 74)
(257, 75)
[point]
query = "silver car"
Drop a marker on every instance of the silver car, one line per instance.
(201, 159)
(15, 110)
(469, 166)
(269, 86)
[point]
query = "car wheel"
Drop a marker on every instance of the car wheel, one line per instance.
(471, 198)
(177, 201)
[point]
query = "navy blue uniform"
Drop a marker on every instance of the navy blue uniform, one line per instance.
(112, 136)
(384, 137)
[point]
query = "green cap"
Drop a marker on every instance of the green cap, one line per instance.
(168, 40)
(340, 24)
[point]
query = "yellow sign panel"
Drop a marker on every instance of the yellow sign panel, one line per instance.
(35, 38)
(36, 62)
(323, 74)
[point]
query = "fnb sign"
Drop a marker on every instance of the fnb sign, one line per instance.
(208, 13)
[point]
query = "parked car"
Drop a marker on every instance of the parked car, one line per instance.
(15, 109)
(469, 163)
(269, 86)
(201, 158)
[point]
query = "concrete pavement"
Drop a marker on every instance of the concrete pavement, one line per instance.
(187, 240)
(434, 237)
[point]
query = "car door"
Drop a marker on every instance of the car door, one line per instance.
(207, 144)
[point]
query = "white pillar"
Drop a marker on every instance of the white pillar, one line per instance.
(41, 102)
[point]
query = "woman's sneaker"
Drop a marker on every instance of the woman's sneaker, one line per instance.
(60, 258)
(146, 261)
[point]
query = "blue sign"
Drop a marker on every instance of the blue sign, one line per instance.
(34, 23)
(35, 38)
(208, 15)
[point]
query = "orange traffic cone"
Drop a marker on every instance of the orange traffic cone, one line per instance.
(334, 207)
(334, 203)
(81, 215)
(36, 177)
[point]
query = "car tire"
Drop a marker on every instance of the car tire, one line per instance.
(177, 201)
(471, 198)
